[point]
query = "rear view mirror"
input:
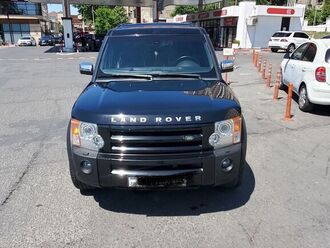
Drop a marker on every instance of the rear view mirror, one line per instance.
(86, 68)
(287, 56)
(227, 66)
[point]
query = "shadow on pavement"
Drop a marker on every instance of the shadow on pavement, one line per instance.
(321, 110)
(54, 49)
(176, 202)
(57, 49)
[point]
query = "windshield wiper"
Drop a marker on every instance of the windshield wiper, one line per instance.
(126, 75)
(177, 75)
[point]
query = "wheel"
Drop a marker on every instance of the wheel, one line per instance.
(304, 103)
(274, 50)
(75, 181)
(291, 48)
(238, 180)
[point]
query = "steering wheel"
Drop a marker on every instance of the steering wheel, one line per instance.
(187, 61)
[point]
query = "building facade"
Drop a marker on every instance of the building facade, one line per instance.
(19, 19)
(55, 19)
(249, 24)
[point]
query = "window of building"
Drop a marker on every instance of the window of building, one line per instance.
(20, 8)
(12, 32)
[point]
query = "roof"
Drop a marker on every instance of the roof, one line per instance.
(154, 28)
(155, 25)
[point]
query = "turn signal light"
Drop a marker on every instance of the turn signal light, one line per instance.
(320, 74)
(75, 132)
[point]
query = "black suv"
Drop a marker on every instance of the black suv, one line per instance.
(156, 113)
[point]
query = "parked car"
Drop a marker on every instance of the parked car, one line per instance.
(93, 41)
(26, 41)
(47, 40)
(287, 40)
(156, 113)
(308, 69)
(58, 39)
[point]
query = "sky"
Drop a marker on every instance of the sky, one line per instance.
(58, 7)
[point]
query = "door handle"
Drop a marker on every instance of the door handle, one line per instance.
(304, 69)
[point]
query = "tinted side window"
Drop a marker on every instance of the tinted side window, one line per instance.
(297, 35)
(305, 36)
(310, 53)
(300, 35)
(327, 56)
(279, 34)
(297, 55)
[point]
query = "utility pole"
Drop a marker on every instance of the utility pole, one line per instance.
(10, 29)
(200, 5)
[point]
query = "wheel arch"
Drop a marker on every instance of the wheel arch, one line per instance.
(302, 84)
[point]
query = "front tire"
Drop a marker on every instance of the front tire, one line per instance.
(281, 85)
(304, 104)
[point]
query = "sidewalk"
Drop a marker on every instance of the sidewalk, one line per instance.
(7, 46)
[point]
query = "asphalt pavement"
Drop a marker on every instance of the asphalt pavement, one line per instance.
(283, 202)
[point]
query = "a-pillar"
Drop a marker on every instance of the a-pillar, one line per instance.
(67, 27)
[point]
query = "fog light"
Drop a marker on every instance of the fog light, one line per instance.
(86, 167)
(227, 164)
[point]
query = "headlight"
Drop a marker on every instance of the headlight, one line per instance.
(84, 134)
(226, 133)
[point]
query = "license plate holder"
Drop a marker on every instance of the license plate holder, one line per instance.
(157, 181)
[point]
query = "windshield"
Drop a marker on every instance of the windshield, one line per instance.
(280, 34)
(157, 55)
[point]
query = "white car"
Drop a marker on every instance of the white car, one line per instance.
(26, 41)
(287, 40)
(308, 69)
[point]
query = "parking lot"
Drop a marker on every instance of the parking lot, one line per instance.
(284, 200)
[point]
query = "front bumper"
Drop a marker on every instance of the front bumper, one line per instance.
(198, 169)
(24, 44)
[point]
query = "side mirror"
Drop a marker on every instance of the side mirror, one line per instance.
(287, 56)
(227, 66)
(86, 68)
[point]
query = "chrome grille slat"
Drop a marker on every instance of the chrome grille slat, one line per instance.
(167, 140)
(157, 139)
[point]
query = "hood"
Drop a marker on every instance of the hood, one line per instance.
(162, 102)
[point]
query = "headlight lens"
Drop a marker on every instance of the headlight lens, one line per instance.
(226, 133)
(85, 135)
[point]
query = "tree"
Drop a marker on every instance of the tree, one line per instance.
(86, 11)
(184, 9)
(325, 10)
(190, 9)
(311, 14)
(108, 18)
